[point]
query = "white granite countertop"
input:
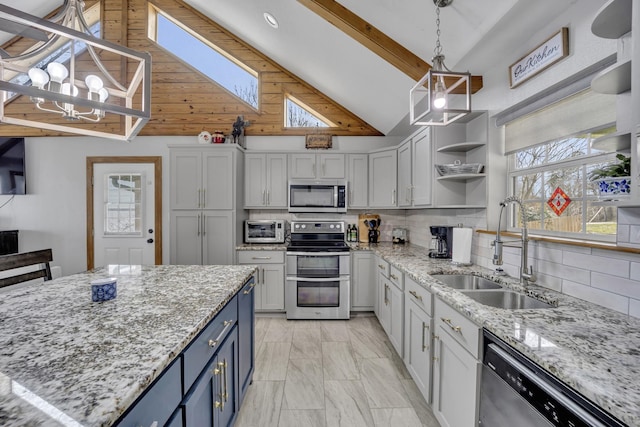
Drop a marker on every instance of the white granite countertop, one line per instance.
(594, 350)
(83, 363)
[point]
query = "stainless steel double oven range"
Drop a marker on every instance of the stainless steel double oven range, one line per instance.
(318, 271)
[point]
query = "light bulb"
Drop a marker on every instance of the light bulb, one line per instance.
(439, 96)
(38, 77)
(57, 71)
(104, 94)
(94, 83)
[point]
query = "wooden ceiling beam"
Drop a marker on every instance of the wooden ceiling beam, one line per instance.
(375, 40)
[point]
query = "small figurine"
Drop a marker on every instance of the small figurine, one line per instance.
(238, 126)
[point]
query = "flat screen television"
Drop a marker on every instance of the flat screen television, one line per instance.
(12, 171)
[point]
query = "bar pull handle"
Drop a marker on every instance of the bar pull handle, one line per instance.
(449, 324)
(415, 295)
(248, 291)
(226, 323)
(425, 331)
(199, 223)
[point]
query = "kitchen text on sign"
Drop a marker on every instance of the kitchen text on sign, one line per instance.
(543, 56)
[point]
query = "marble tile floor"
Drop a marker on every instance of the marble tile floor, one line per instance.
(328, 373)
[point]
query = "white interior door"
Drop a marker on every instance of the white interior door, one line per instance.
(123, 205)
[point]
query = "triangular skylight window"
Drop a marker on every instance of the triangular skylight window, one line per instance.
(211, 61)
(298, 115)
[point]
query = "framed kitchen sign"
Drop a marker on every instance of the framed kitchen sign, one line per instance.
(545, 55)
(318, 140)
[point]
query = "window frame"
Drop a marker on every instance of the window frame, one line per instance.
(593, 156)
(152, 34)
(290, 98)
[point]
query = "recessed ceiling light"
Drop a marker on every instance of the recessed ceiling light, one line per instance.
(271, 20)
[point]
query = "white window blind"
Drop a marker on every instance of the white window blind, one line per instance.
(577, 113)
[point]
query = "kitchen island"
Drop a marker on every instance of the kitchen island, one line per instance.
(65, 360)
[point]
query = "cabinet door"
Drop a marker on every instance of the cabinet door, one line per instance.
(217, 238)
(362, 281)
(212, 401)
(228, 362)
(358, 180)
(404, 175)
(302, 165)
(383, 179)
(246, 337)
(417, 344)
(255, 172)
(455, 383)
(422, 170)
(276, 177)
(218, 183)
(186, 237)
(272, 286)
(330, 166)
(396, 321)
(186, 179)
(384, 303)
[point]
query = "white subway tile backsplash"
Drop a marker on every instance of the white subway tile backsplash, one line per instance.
(617, 285)
(634, 274)
(549, 282)
(634, 235)
(548, 254)
(561, 271)
(597, 296)
(622, 236)
(602, 264)
(634, 307)
(629, 216)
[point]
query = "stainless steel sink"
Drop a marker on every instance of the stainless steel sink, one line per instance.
(506, 299)
(466, 281)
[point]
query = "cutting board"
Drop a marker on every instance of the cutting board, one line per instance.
(363, 230)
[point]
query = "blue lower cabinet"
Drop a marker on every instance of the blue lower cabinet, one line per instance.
(205, 384)
(159, 401)
(213, 399)
(176, 419)
(246, 338)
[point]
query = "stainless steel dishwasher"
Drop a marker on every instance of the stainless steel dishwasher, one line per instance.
(516, 391)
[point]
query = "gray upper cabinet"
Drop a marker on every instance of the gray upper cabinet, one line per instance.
(265, 181)
(383, 167)
(358, 180)
(415, 170)
(316, 166)
(421, 169)
(202, 179)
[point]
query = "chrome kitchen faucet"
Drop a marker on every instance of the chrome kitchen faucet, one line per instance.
(526, 273)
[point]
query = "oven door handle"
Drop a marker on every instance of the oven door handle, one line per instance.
(318, 254)
(317, 279)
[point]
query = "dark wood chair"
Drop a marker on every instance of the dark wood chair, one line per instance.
(10, 262)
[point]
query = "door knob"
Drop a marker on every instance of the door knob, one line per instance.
(151, 231)
(149, 240)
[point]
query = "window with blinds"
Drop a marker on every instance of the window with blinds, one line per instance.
(550, 157)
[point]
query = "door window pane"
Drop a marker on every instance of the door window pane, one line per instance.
(123, 204)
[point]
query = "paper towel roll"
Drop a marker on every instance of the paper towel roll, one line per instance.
(461, 245)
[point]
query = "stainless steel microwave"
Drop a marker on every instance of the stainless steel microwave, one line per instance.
(265, 231)
(318, 196)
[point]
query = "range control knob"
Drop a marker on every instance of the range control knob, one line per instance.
(332, 226)
(304, 226)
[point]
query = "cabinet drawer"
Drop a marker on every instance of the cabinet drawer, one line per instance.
(260, 257)
(382, 267)
(396, 276)
(159, 402)
(206, 344)
(459, 327)
(419, 295)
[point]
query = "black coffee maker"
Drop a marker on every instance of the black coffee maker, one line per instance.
(441, 242)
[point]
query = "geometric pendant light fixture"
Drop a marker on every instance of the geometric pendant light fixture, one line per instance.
(442, 96)
(65, 80)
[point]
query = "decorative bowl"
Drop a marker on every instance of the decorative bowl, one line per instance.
(614, 188)
(104, 289)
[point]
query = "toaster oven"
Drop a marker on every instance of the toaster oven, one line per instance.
(264, 231)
